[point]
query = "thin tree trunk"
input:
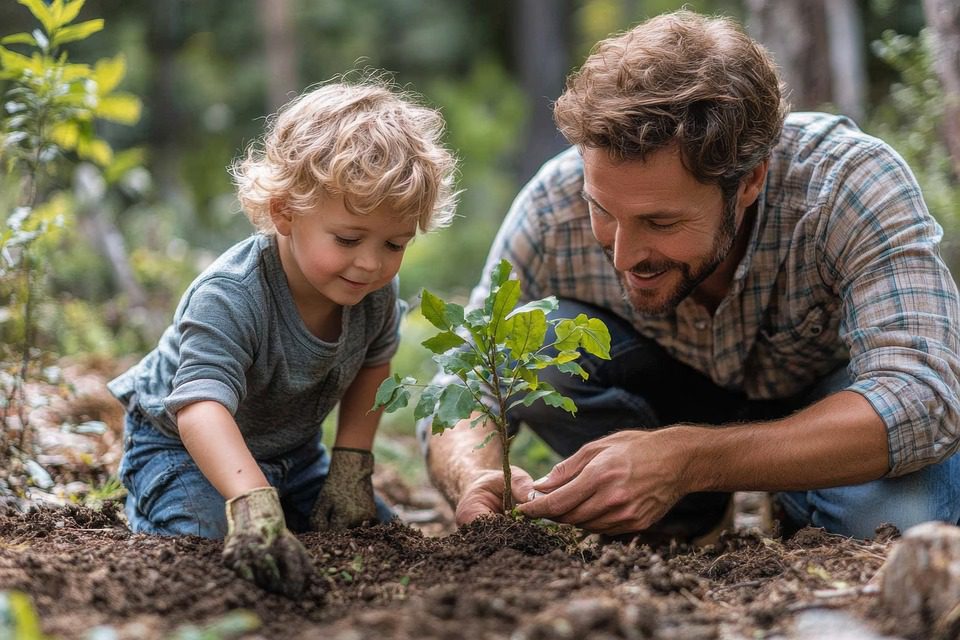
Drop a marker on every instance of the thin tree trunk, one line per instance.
(280, 45)
(848, 68)
(796, 33)
(541, 50)
(943, 17)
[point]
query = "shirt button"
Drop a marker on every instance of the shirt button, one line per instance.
(700, 325)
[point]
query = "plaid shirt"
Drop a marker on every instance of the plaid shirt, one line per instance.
(843, 267)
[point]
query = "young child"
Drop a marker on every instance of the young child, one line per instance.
(223, 426)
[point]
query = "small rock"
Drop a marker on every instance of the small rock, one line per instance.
(921, 578)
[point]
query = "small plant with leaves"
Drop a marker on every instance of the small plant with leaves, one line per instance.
(50, 110)
(495, 354)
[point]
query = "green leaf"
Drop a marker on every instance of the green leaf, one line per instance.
(455, 404)
(546, 305)
(442, 315)
(41, 12)
(78, 31)
(527, 333)
(486, 440)
(108, 72)
(573, 368)
(386, 390)
(568, 335)
(443, 342)
(503, 302)
(69, 11)
(19, 38)
(427, 404)
(459, 362)
(596, 338)
(119, 107)
(500, 273)
(550, 396)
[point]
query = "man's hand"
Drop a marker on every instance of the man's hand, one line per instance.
(483, 495)
(346, 499)
(259, 547)
(621, 483)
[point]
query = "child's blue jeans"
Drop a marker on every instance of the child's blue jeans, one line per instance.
(167, 494)
(643, 387)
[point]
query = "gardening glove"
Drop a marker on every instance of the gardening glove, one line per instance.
(259, 547)
(346, 499)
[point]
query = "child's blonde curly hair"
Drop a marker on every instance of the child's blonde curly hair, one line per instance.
(365, 141)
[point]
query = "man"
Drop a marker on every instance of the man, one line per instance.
(776, 275)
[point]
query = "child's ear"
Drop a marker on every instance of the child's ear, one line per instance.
(281, 216)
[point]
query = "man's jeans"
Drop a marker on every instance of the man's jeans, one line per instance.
(167, 494)
(643, 387)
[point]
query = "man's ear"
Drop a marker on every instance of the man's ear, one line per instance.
(752, 184)
(281, 216)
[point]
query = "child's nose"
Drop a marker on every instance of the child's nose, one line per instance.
(367, 260)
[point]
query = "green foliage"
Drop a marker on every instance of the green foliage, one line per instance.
(50, 109)
(500, 361)
(18, 618)
(910, 119)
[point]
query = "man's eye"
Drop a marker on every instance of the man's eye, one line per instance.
(662, 225)
(346, 242)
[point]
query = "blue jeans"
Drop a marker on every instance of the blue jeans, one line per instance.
(167, 494)
(643, 387)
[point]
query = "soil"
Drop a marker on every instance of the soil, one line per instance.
(496, 578)
(87, 577)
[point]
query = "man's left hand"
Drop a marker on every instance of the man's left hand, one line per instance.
(346, 499)
(622, 483)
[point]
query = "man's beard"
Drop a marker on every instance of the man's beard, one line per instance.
(645, 301)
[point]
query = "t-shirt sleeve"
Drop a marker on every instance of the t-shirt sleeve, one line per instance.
(218, 342)
(900, 307)
(391, 310)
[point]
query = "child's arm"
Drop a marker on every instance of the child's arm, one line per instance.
(357, 424)
(258, 545)
(213, 439)
(346, 499)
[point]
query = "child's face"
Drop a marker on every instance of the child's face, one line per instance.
(338, 256)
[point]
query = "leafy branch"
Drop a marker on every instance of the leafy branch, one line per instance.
(49, 111)
(495, 353)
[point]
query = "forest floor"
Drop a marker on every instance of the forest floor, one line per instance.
(65, 545)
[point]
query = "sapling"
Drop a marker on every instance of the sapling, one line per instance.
(493, 355)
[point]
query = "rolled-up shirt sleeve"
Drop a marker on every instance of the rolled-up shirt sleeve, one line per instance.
(218, 343)
(900, 310)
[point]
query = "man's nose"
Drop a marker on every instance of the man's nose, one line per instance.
(629, 249)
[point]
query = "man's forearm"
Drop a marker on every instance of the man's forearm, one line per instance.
(453, 458)
(838, 441)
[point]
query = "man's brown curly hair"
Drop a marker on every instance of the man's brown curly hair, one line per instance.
(679, 78)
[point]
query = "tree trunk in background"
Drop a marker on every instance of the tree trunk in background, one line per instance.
(848, 68)
(540, 39)
(280, 46)
(796, 34)
(164, 38)
(943, 17)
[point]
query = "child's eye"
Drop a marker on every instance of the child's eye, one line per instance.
(346, 242)
(393, 246)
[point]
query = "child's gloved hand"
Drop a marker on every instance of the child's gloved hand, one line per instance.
(259, 547)
(346, 499)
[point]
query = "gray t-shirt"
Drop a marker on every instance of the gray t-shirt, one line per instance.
(238, 339)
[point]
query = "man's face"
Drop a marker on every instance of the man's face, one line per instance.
(664, 232)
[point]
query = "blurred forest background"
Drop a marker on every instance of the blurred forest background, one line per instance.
(128, 206)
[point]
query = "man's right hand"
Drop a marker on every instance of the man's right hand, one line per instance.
(260, 548)
(483, 495)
